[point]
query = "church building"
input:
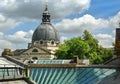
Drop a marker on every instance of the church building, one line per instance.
(45, 41)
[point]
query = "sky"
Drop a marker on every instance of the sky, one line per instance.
(19, 19)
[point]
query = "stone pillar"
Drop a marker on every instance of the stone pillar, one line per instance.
(28, 71)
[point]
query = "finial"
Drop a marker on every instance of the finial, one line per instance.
(46, 5)
(46, 15)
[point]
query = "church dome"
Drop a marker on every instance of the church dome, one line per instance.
(45, 31)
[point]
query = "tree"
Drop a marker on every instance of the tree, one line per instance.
(77, 47)
(85, 47)
(62, 51)
(93, 43)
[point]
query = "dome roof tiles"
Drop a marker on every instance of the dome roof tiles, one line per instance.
(45, 31)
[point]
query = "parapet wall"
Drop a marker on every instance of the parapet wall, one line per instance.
(52, 65)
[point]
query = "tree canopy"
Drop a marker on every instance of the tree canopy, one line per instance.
(85, 47)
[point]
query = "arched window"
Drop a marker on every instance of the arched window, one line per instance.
(41, 42)
(52, 42)
(34, 58)
(34, 50)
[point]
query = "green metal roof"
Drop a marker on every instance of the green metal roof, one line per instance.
(50, 61)
(67, 75)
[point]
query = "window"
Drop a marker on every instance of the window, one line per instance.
(35, 50)
(34, 58)
(30, 61)
(52, 42)
(41, 42)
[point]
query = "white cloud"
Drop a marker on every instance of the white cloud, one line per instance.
(1, 34)
(104, 36)
(20, 37)
(2, 18)
(26, 1)
(7, 23)
(26, 8)
(15, 41)
(62, 39)
(8, 4)
(114, 21)
(6, 44)
(105, 40)
(87, 22)
(77, 25)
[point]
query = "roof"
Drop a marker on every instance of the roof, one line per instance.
(50, 61)
(4, 61)
(111, 79)
(45, 31)
(47, 51)
(68, 75)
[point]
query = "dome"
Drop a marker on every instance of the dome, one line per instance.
(45, 31)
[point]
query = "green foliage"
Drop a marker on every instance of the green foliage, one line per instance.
(77, 47)
(63, 51)
(85, 47)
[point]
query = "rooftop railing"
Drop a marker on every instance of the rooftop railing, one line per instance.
(11, 71)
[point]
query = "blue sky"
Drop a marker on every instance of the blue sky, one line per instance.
(19, 19)
(104, 8)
